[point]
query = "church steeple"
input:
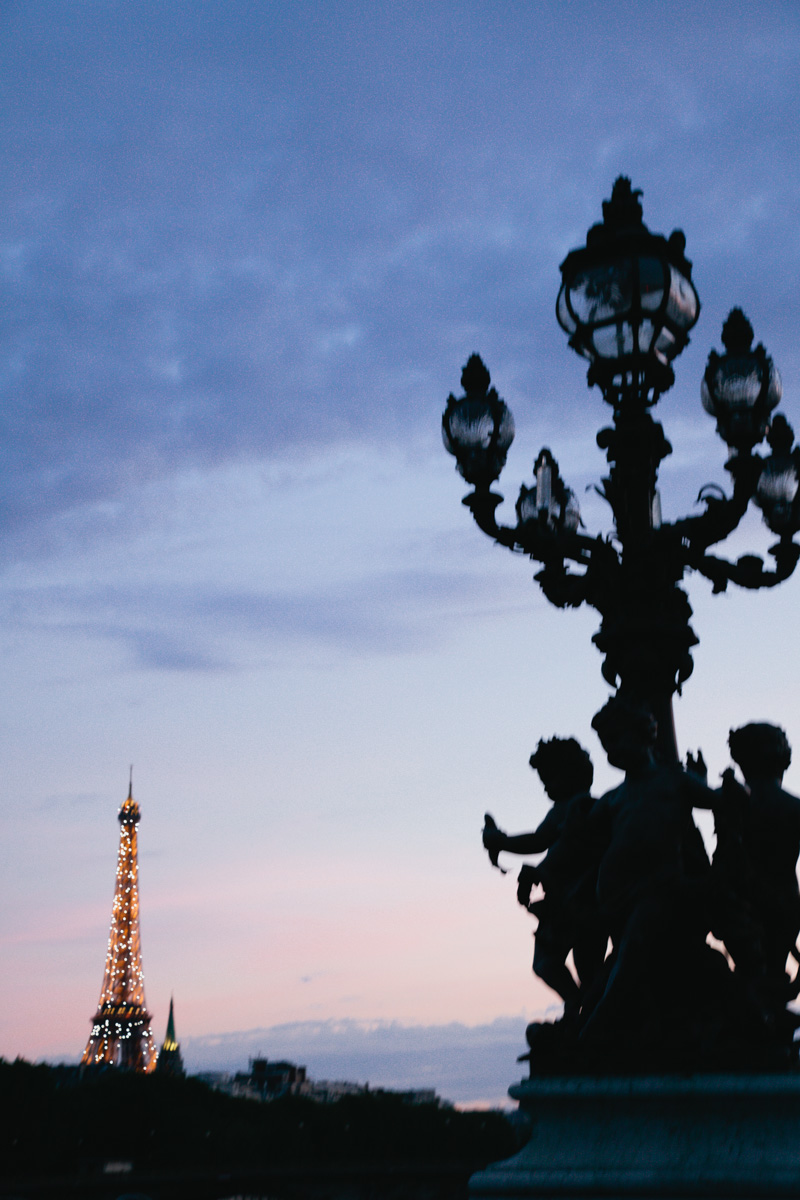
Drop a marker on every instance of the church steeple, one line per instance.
(169, 1060)
(169, 1041)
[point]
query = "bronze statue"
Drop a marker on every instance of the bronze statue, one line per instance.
(631, 867)
(758, 844)
(652, 881)
(567, 914)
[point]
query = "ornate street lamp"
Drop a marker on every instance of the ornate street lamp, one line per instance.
(627, 301)
(478, 428)
(628, 304)
(741, 387)
(778, 490)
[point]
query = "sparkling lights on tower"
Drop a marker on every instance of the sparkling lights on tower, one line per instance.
(121, 1026)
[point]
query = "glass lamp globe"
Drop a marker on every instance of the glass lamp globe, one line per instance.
(740, 387)
(477, 428)
(627, 300)
(777, 492)
(549, 502)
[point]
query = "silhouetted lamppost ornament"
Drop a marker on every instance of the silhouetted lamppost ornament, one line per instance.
(673, 967)
(628, 304)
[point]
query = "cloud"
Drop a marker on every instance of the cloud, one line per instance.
(304, 250)
(465, 1064)
(73, 800)
(206, 627)
(160, 651)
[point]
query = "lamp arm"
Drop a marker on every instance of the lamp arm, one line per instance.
(563, 588)
(722, 514)
(748, 571)
(599, 584)
(482, 504)
(544, 544)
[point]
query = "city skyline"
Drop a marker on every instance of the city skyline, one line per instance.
(246, 254)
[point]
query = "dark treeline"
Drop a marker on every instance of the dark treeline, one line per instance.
(61, 1122)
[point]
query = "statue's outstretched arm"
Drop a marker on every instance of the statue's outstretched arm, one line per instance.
(542, 838)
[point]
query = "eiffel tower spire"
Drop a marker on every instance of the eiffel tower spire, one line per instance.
(121, 1026)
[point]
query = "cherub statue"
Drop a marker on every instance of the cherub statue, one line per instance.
(758, 844)
(568, 873)
(652, 882)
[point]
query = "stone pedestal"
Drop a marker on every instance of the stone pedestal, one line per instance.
(654, 1136)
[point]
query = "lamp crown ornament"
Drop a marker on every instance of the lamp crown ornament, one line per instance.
(475, 379)
(781, 435)
(737, 332)
(624, 209)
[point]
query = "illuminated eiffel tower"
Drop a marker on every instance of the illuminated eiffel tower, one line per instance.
(121, 1026)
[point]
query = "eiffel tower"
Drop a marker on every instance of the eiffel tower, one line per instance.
(121, 1026)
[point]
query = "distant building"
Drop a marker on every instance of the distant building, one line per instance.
(268, 1080)
(415, 1096)
(329, 1091)
(169, 1060)
(221, 1081)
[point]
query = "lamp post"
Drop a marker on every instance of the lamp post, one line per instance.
(628, 304)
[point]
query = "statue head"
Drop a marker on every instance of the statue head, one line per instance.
(564, 768)
(761, 750)
(627, 731)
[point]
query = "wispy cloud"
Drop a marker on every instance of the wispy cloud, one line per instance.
(203, 627)
(73, 800)
(266, 267)
(465, 1064)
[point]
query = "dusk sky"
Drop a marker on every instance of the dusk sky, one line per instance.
(246, 249)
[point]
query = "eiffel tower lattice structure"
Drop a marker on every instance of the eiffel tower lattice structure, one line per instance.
(121, 1033)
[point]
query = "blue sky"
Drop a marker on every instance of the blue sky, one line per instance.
(246, 250)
